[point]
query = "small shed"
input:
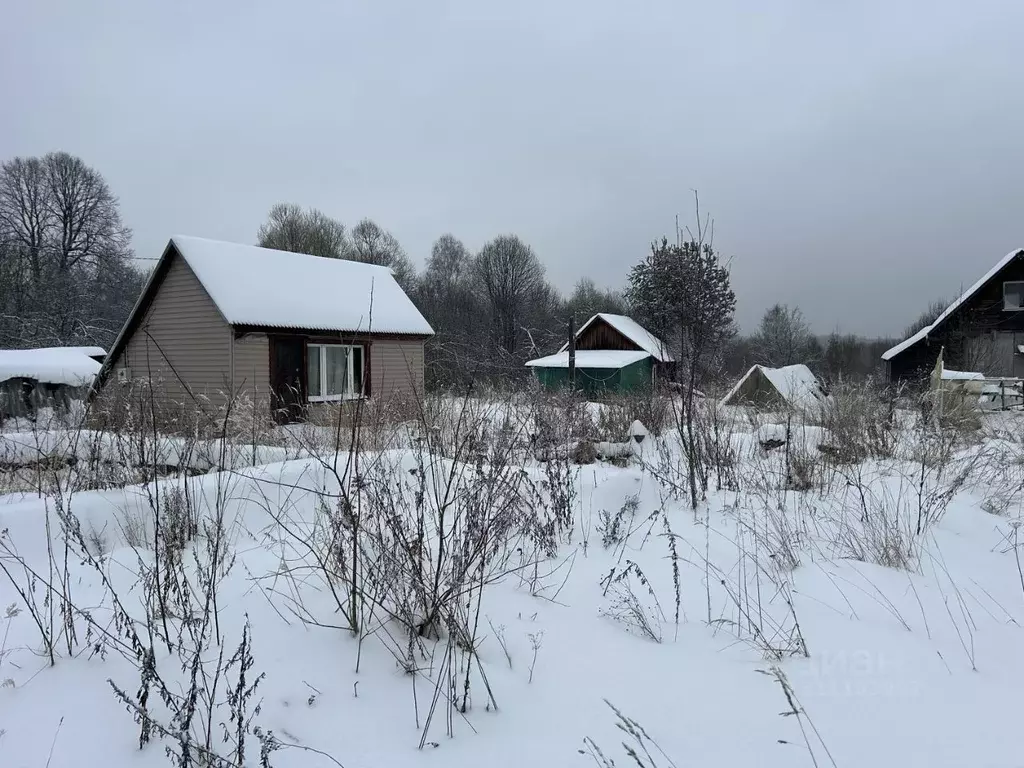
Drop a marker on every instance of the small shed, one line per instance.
(597, 371)
(607, 332)
(50, 376)
(792, 386)
(614, 353)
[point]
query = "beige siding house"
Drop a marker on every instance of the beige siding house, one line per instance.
(287, 331)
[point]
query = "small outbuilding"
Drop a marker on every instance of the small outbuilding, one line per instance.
(596, 371)
(614, 353)
(46, 377)
(792, 386)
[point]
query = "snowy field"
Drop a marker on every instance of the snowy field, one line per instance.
(454, 602)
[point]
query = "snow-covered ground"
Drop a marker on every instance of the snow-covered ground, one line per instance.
(872, 619)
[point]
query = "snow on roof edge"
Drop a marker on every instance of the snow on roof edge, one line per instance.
(950, 375)
(909, 342)
(88, 351)
(906, 343)
(737, 385)
(592, 358)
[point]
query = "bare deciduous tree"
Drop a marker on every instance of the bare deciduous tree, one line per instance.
(373, 244)
(84, 212)
(587, 300)
(447, 297)
(291, 228)
(25, 213)
(784, 338)
(66, 273)
(449, 262)
(511, 279)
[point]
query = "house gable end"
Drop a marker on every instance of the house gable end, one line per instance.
(977, 311)
(181, 311)
(600, 334)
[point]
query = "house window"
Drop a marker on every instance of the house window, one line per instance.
(334, 372)
(1013, 295)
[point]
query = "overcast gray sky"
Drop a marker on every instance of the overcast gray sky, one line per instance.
(859, 157)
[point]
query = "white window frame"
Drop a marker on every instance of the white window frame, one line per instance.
(355, 388)
(1019, 283)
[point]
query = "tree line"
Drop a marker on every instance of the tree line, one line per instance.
(494, 309)
(491, 310)
(68, 276)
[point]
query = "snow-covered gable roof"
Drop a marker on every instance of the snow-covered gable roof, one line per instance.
(52, 365)
(633, 331)
(797, 385)
(591, 358)
(924, 332)
(265, 287)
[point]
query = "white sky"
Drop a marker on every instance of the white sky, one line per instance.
(860, 157)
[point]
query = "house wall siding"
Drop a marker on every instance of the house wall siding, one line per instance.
(395, 367)
(251, 374)
(181, 344)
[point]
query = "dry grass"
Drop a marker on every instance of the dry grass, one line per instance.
(618, 412)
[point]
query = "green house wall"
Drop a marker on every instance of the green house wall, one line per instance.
(633, 377)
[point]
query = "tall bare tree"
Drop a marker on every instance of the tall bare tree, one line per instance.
(373, 244)
(85, 213)
(587, 300)
(450, 260)
(511, 280)
(25, 214)
(61, 235)
(785, 338)
(447, 297)
(290, 227)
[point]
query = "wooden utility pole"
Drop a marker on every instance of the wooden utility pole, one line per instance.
(572, 351)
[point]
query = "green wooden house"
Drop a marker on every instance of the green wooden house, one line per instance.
(614, 354)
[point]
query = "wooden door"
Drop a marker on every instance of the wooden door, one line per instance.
(287, 378)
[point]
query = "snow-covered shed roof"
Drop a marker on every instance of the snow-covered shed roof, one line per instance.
(87, 351)
(633, 331)
(265, 287)
(591, 358)
(52, 365)
(796, 384)
(950, 375)
(924, 332)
